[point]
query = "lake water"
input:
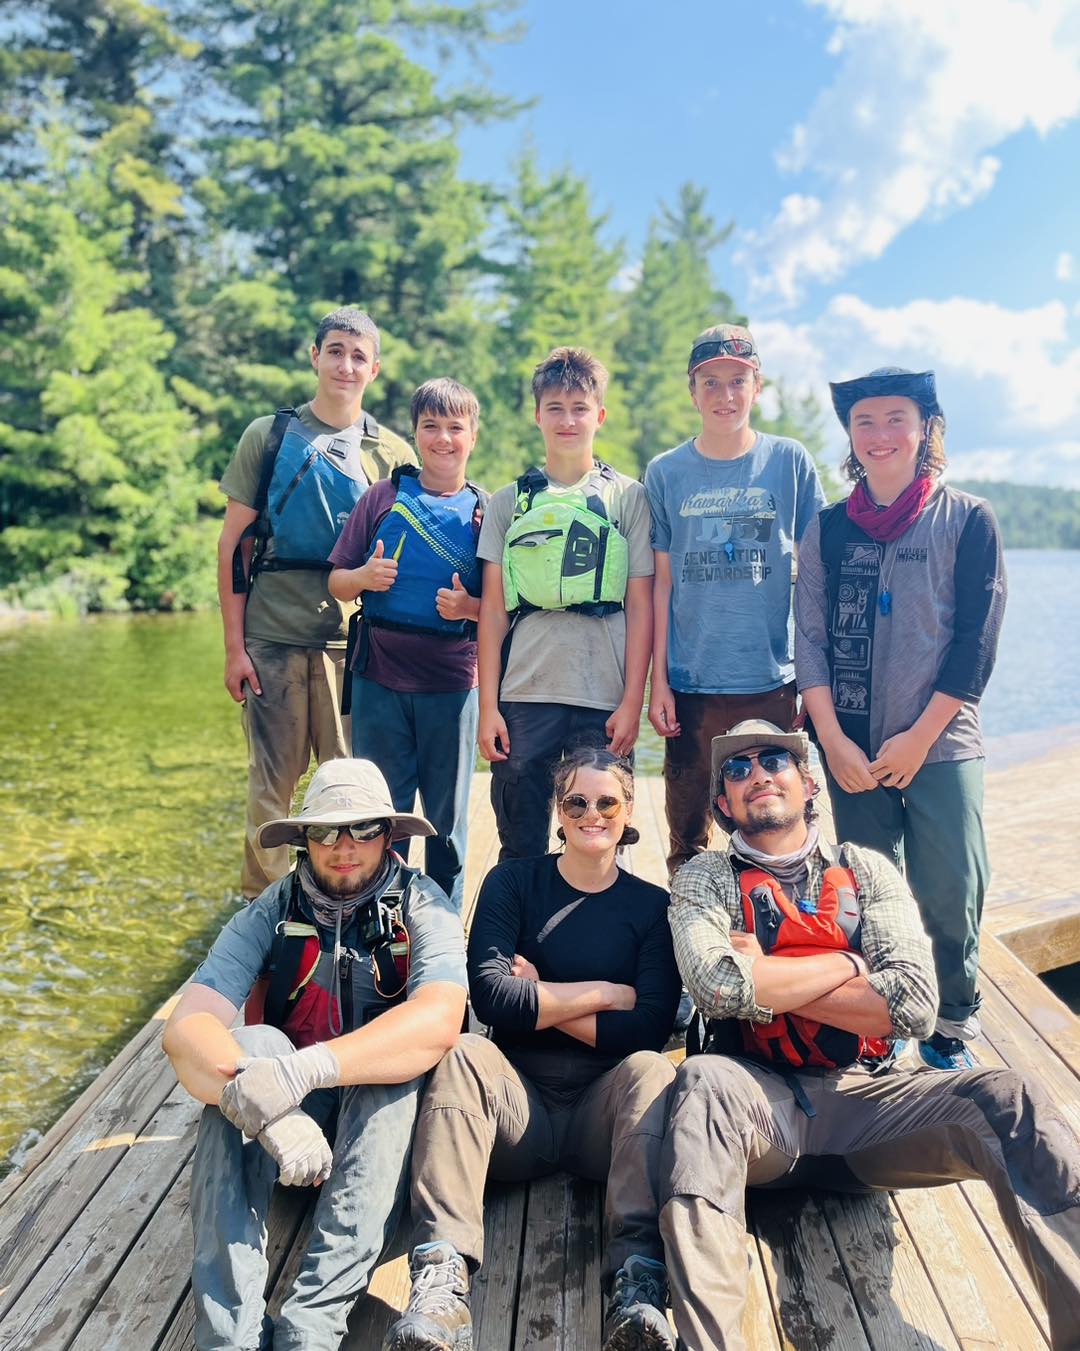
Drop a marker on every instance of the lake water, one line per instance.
(122, 772)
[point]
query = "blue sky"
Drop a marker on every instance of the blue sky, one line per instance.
(904, 179)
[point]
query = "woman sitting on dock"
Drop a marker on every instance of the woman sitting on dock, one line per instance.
(571, 965)
(898, 605)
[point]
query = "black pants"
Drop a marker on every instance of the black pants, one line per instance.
(521, 786)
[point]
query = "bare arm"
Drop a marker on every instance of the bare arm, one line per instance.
(197, 1040)
(377, 574)
(661, 699)
(492, 629)
(623, 725)
(901, 757)
(238, 665)
(399, 1045)
(405, 1041)
(854, 1006)
(847, 763)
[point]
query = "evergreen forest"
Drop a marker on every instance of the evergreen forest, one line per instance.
(186, 187)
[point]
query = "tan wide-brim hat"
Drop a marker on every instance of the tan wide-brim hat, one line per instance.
(745, 736)
(341, 792)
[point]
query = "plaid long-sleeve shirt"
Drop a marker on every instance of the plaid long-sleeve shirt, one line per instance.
(705, 910)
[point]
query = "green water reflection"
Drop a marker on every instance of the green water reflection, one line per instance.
(122, 772)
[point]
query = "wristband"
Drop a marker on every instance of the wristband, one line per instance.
(854, 962)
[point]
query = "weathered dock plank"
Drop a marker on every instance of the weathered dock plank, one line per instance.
(95, 1241)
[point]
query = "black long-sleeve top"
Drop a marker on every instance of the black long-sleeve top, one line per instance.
(620, 934)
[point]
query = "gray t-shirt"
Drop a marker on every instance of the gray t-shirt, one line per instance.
(559, 656)
(729, 528)
(241, 951)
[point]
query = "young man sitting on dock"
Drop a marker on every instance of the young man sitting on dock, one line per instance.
(351, 971)
(808, 963)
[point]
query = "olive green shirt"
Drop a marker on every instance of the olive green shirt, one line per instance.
(295, 606)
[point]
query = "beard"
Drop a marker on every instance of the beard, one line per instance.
(769, 815)
(343, 888)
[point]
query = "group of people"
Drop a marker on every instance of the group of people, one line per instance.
(527, 623)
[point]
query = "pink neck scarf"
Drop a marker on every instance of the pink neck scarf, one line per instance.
(889, 523)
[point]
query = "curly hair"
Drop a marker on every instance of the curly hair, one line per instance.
(606, 762)
(931, 454)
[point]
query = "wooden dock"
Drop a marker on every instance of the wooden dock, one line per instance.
(1034, 901)
(95, 1242)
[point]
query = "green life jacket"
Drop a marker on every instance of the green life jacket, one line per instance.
(561, 551)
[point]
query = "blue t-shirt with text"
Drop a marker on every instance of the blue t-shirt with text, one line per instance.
(729, 528)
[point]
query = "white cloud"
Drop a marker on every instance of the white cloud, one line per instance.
(1009, 380)
(1064, 268)
(923, 92)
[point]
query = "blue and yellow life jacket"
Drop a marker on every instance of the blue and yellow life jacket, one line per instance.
(431, 537)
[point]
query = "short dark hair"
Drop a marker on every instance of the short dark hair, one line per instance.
(570, 368)
(607, 762)
(349, 320)
(445, 398)
(809, 811)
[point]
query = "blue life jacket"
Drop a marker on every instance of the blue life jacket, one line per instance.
(307, 491)
(431, 537)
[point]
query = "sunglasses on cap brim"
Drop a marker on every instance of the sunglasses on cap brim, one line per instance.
(741, 348)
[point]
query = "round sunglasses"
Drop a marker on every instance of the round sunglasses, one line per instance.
(575, 805)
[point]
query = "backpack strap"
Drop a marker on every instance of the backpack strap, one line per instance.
(285, 954)
(257, 528)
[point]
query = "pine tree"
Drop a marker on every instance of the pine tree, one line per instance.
(333, 180)
(555, 287)
(99, 505)
(674, 298)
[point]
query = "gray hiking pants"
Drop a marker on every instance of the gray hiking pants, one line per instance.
(734, 1124)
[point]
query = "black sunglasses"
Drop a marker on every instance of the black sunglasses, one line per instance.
(363, 832)
(739, 767)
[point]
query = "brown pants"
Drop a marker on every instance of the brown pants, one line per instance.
(299, 711)
(734, 1124)
(688, 759)
(480, 1116)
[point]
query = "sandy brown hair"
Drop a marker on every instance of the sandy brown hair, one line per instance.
(570, 368)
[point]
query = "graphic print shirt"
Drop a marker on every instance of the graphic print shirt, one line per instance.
(729, 528)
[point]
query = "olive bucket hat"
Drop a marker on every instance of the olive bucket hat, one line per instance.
(342, 792)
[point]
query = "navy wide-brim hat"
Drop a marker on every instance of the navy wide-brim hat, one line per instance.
(919, 386)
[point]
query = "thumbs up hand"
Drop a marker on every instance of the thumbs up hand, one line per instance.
(378, 573)
(454, 602)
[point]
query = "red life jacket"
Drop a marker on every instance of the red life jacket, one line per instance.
(295, 993)
(785, 929)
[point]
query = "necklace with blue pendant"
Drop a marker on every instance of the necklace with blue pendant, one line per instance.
(885, 595)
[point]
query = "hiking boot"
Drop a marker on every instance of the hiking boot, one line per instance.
(637, 1314)
(437, 1317)
(946, 1053)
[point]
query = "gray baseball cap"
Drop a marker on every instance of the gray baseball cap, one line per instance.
(341, 792)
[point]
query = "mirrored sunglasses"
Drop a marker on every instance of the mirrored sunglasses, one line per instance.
(721, 347)
(772, 761)
(575, 805)
(363, 832)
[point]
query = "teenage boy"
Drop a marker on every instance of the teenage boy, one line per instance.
(728, 507)
(291, 485)
(409, 549)
(566, 610)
